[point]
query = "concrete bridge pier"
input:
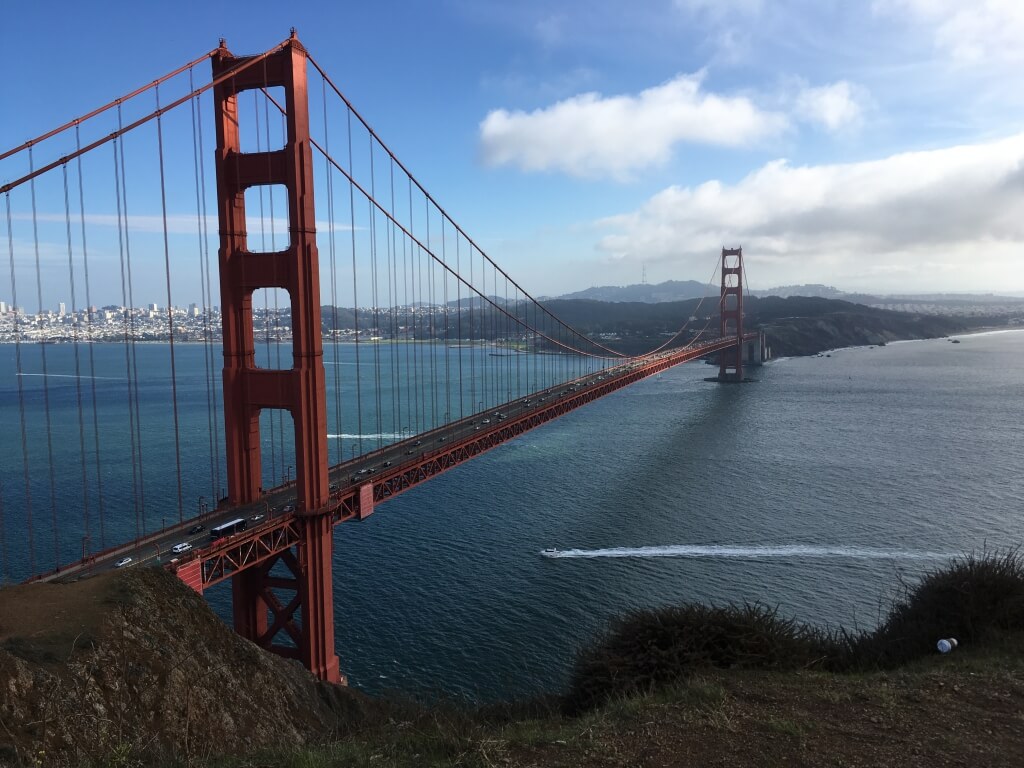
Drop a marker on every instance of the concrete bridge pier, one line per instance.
(755, 351)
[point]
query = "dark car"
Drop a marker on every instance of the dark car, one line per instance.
(197, 529)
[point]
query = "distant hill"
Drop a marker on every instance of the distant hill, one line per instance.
(647, 293)
(814, 290)
(682, 290)
(797, 325)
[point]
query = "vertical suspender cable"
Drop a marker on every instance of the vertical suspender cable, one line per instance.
(396, 408)
(433, 332)
(276, 316)
(355, 289)
(46, 386)
(78, 367)
(329, 169)
(126, 315)
(277, 309)
(212, 388)
(415, 311)
(200, 202)
(263, 248)
(92, 360)
(170, 314)
(373, 282)
(494, 341)
(21, 394)
(459, 341)
(447, 343)
(407, 315)
(133, 379)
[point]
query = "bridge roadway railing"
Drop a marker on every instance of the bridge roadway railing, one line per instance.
(418, 459)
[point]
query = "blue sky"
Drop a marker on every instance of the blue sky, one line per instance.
(868, 145)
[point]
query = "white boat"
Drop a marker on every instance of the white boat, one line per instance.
(550, 551)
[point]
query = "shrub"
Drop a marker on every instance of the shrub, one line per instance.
(968, 599)
(645, 649)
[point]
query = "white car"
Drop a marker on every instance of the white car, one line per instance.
(179, 548)
(122, 562)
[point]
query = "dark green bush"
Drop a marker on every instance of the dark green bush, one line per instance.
(645, 649)
(968, 599)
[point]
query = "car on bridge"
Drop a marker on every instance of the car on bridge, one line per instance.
(196, 529)
(122, 562)
(179, 548)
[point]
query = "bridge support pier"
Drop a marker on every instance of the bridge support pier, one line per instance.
(308, 618)
(755, 351)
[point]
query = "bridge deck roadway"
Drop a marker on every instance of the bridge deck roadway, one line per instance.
(358, 485)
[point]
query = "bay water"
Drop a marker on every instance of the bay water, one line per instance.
(816, 489)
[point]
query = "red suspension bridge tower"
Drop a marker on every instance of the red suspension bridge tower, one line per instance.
(307, 619)
(730, 361)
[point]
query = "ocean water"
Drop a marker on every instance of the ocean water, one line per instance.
(816, 489)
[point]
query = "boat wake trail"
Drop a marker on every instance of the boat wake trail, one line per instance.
(752, 553)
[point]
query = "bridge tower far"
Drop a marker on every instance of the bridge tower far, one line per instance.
(306, 621)
(730, 307)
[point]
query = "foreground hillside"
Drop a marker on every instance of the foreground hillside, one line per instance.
(136, 665)
(134, 669)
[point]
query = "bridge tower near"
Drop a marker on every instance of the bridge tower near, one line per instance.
(307, 619)
(730, 307)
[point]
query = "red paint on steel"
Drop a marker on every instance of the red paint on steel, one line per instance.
(192, 574)
(731, 315)
(365, 501)
(301, 389)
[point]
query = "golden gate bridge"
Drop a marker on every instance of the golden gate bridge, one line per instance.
(445, 344)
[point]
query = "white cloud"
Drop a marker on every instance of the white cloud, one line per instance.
(970, 31)
(836, 106)
(943, 218)
(593, 136)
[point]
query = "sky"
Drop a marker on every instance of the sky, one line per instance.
(873, 146)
